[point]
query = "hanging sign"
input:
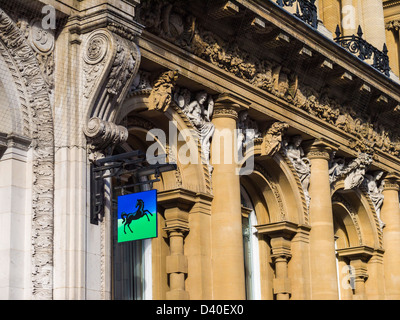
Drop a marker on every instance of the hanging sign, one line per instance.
(137, 216)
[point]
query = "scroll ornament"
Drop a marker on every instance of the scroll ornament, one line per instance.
(102, 137)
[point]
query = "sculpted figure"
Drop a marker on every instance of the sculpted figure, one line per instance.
(356, 170)
(161, 95)
(248, 129)
(375, 191)
(273, 137)
(295, 153)
(199, 113)
(336, 167)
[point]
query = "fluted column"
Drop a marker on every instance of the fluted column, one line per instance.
(322, 242)
(390, 215)
(226, 219)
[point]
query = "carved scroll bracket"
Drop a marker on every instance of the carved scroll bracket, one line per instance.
(102, 137)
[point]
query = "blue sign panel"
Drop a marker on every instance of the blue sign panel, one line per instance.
(137, 216)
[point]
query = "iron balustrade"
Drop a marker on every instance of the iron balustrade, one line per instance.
(357, 45)
(306, 10)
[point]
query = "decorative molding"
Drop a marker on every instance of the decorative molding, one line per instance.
(352, 213)
(23, 64)
(268, 75)
(225, 112)
(102, 136)
(275, 189)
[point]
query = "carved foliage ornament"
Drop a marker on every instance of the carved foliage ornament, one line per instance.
(18, 53)
(161, 18)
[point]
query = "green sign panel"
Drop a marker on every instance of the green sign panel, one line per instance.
(137, 216)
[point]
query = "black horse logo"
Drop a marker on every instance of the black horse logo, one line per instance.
(127, 218)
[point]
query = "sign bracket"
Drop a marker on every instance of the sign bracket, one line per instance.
(126, 164)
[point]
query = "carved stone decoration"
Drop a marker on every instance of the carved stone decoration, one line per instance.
(42, 42)
(199, 109)
(95, 51)
(182, 29)
(248, 130)
(102, 137)
(141, 83)
(336, 167)
(293, 150)
(353, 172)
(110, 63)
(161, 95)
(373, 185)
(272, 141)
(23, 64)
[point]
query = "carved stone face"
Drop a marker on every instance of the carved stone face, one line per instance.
(202, 97)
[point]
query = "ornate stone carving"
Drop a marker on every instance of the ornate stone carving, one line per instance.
(199, 110)
(19, 55)
(293, 150)
(266, 75)
(42, 42)
(141, 83)
(273, 138)
(352, 172)
(110, 63)
(374, 185)
(161, 95)
(102, 137)
(248, 130)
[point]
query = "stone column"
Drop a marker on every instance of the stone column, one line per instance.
(281, 234)
(358, 257)
(226, 219)
(322, 242)
(15, 217)
(390, 215)
(177, 204)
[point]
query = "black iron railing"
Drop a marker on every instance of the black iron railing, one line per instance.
(365, 51)
(306, 10)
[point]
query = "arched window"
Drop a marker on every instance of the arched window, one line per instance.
(251, 250)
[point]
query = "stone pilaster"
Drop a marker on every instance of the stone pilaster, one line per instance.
(226, 220)
(280, 235)
(322, 242)
(177, 204)
(390, 215)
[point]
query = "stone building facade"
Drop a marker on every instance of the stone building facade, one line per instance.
(300, 201)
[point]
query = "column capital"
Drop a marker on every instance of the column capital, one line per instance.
(392, 181)
(228, 105)
(319, 149)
